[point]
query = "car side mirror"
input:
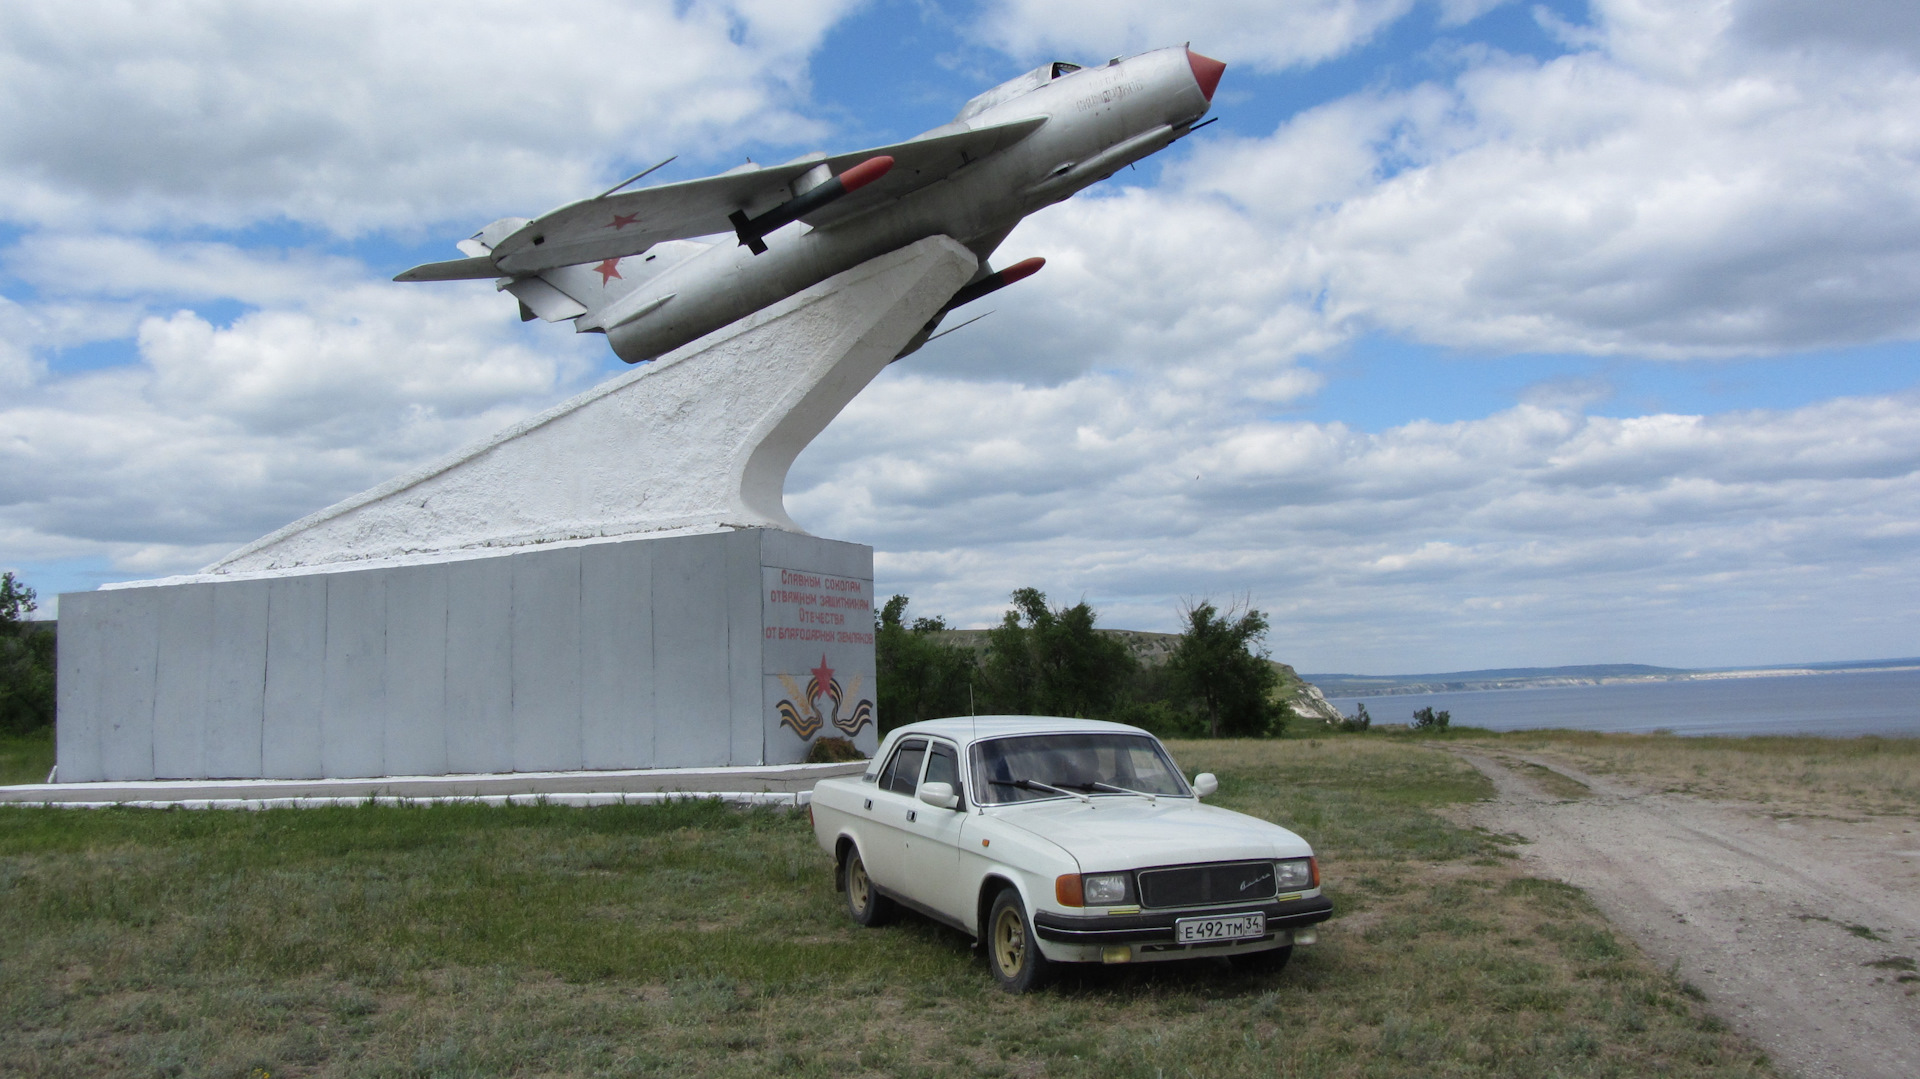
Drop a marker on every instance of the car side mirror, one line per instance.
(1205, 784)
(939, 794)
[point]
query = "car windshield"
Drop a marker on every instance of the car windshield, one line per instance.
(1103, 765)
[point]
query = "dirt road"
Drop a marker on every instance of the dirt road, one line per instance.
(1803, 933)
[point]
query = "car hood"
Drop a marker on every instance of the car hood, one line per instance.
(1129, 833)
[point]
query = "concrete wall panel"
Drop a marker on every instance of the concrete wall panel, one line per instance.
(78, 661)
(296, 677)
(479, 683)
(616, 656)
(746, 725)
(416, 713)
(838, 557)
(624, 654)
(129, 642)
(236, 679)
(353, 710)
(692, 714)
(184, 653)
(546, 660)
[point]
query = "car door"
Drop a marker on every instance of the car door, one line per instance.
(890, 807)
(933, 837)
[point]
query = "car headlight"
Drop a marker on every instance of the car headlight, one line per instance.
(1104, 889)
(1295, 875)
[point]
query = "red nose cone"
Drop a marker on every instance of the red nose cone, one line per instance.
(865, 172)
(1022, 270)
(1206, 72)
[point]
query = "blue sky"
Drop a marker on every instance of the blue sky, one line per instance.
(1474, 334)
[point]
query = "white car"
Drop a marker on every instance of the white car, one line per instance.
(1063, 841)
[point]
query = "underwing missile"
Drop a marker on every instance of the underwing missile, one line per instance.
(994, 282)
(752, 231)
(991, 283)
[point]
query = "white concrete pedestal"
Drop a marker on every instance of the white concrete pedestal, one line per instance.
(614, 584)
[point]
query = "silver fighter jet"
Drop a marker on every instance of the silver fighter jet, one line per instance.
(658, 267)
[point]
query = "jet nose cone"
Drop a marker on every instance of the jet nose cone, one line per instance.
(1206, 72)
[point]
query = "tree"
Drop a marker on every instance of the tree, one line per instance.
(1427, 719)
(26, 661)
(920, 677)
(1221, 666)
(1043, 661)
(16, 600)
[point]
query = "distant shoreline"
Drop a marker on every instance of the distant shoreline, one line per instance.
(1352, 686)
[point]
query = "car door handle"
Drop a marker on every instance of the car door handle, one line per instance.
(869, 804)
(911, 815)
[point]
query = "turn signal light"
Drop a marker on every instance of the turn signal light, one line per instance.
(1066, 889)
(1313, 871)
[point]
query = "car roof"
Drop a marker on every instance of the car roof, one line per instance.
(967, 729)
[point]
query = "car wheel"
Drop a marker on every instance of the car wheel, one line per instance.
(864, 902)
(1271, 961)
(1012, 951)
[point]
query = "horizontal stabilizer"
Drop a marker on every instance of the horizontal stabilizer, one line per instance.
(473, 269)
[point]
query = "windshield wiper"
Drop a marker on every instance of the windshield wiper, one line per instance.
(1036, 785)
(1154, 798)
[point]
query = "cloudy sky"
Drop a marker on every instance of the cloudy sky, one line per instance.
(1476, 333)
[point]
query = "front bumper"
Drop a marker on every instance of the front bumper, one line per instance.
(1156, 927)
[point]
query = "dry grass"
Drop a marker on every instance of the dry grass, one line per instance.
(691, 940)
(1802, 775)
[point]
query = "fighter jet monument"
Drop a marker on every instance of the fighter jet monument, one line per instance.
(656, 268)
(615, 583)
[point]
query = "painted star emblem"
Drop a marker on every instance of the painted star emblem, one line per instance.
(621, 221)
(823, 674)
(609, 270)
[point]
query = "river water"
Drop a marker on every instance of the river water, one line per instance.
(1840, 704)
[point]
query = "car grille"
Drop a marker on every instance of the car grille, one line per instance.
(1204, 885)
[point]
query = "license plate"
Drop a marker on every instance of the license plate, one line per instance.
(1225, 927)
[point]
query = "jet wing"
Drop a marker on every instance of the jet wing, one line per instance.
(616, 226)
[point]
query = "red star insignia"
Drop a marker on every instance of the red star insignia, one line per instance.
(621, 221)
(609, 270)
(823, 674)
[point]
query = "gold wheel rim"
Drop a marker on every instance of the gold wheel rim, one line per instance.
(857, 884)
(1010, 942)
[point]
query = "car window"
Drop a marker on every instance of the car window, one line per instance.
(943, 766)
(903, 771)
(1009, 769)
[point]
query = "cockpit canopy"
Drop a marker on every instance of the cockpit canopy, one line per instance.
(1012, 88)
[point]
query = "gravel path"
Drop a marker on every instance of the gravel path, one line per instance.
(1798, 931)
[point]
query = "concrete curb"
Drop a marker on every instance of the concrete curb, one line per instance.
(757, 799)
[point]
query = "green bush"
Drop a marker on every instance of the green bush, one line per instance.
(26, 662)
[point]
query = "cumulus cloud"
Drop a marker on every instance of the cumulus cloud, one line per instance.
(225, 429)
(1613, 537)
(1260, 32)
(1668, 189)
(359, 114)
(1688, 181)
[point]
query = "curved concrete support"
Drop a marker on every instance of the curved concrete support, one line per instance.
(698, 441)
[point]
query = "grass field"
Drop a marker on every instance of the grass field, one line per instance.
(25, 758)
(696, 940)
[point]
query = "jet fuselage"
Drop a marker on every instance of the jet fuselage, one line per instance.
(1098, 120)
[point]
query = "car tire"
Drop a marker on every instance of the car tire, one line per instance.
(1271, 961)
(1013, 952)
(864, 902)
